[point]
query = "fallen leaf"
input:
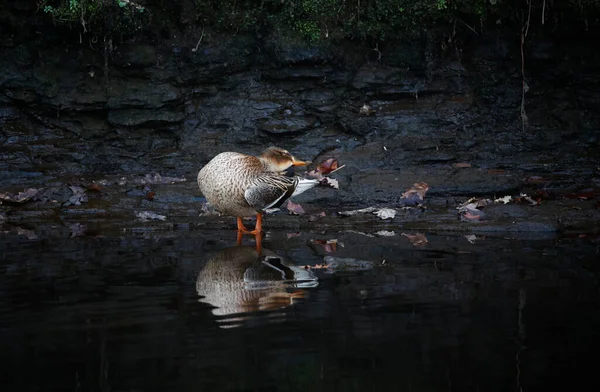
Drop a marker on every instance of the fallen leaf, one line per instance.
(385, 213)
(295, 209)
(582, 195)
(78, 196)
(536, 180)
(505, 199)
(327, 166)
(415, 194)
(150, 195)
(94, 187)
(147, 215)
(77, 229)
(461, 165)
(418, 239)
(355, 212)
(19, 198)
(471, 238)
(328, 245)
(332, 182)
(385, 233)
(156, 178)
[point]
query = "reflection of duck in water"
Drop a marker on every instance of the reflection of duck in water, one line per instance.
(240, 280)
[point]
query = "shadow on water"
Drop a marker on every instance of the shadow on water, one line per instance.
(146, 310)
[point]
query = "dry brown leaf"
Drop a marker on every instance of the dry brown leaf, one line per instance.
(418, 239)
(327, 166)
(294, 208)
(415, 194)
(461, 165)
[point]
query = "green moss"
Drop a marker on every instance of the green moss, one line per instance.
(104, 17)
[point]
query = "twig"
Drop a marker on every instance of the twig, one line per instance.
(543, 11)
(198, 44)
(333, 171)
(470, 28)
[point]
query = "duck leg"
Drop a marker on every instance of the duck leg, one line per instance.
(240, 225)
(257, 228)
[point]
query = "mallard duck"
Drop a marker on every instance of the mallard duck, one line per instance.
(242, 185)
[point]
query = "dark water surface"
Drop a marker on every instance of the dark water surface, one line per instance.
(187, 310)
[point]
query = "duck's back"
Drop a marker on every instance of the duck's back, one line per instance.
(224, 180)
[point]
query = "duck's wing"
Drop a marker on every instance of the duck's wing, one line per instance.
(270, 191)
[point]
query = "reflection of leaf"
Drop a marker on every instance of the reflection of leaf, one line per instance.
(415, 194)
(461, 165)
(472, 215)
(30, 234)
(418, 239)
(20, 197)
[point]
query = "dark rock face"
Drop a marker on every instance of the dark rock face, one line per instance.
(394, 115)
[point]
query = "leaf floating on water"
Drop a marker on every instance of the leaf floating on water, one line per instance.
(150, 195)
(414, 195)
(417, 240)
(295, 209)
(147, 215)
(19, 198)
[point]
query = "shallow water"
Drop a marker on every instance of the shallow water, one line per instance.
(150, 310)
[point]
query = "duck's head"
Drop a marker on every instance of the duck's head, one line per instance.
(277, 159)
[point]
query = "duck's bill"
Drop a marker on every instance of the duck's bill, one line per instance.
(296, 162)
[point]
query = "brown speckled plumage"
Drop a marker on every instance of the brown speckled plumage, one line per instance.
(242, 185)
